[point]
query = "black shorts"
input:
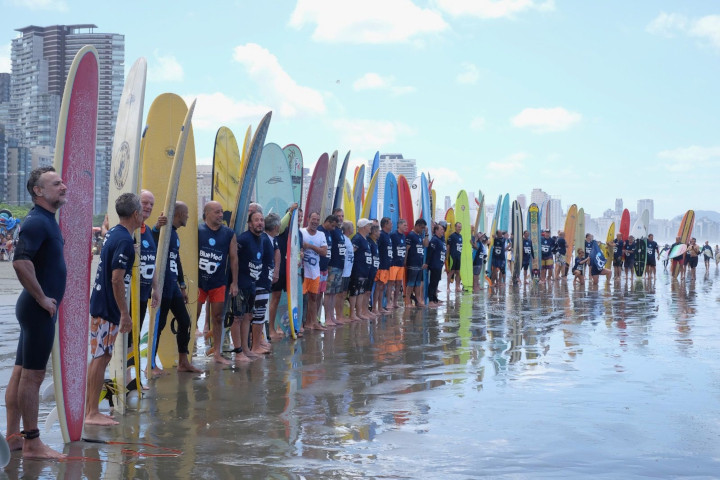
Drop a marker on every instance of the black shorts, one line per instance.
(650, 261)
(526, 266)
(455, 267)
(37, 333)
(594, 270)
(243, 302)
(413, 276)
(345, 284)
(281, 284)
(357, 286)
(617, 262)
(629, 264)
(692, 262)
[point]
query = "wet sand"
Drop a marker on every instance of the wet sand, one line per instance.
(530, 382)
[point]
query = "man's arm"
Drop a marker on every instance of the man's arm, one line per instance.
(118, 286)
(25, 271)
(233, 259)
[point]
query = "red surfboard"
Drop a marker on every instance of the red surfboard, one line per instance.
(625, 224)
(75, 161)
(406, 203)
(315, 194)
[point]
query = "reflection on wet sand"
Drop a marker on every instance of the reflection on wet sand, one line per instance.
(535, 380)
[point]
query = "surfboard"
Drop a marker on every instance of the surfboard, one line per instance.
(580, 230)
(597, 258)
(450, 219)
(329, 194)
(358, 191)
(226, 171)
(640, 232)
(504, 222)
(374, 198)
(371, 191)
(390, 199)
(533, 226)
(462, 215)
(273, 183)
(425, 211)
(169, 117)
(686, 226)
(405, 202)
(625, 224)
(75, 162)
(125, 178)
(480, 216)
(517, 245)
(313, 202)
(293, 285)
(708, 253)
(340, 188)
(677, 251)
(570, 223)
(295, 162)
(349, 206)
(609, 238)
(493, 230)
(415, 197)
(433, 203)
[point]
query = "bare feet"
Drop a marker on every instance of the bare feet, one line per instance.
(14, 441)
(240, 357)
(158, 372)
(100, 419)
(35, 448)
(221, 360)
(188, 368)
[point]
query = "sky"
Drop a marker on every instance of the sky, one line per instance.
(588, 100)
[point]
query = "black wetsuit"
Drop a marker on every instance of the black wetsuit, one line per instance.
(41, 243)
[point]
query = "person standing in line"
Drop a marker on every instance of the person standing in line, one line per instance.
(372, 239)
(108, 301)
(547, 245)
(174, 294)
(327, 299)
(217, 249)
(528, 255)
(281, 284)
(333, 293)
(315, 248)
(268, 276)
(347, 230)
(454, 250)
(479, 245)
(397, 267)
(435, 263)
(383, 274)
(361, 269)
(416, 242)
(40, 267)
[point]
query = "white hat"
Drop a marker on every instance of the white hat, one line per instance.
(363, 222)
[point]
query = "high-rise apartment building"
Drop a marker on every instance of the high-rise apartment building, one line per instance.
(646, 203)
(538, 197)
(41, 59)
(618, 206)
(395, 163)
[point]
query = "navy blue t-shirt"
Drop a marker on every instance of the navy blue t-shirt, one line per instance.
(436, 253)
(250, 248)
(546, 247)
(455, 246)
(336, 250)
(41, 242)
(214, 246)
(118, 253)
(148, 251)
(375, 251)
(363, 257)
(528, 252)
(268, 262)
(652, 247)
(415, 250)
(588, 248)
(385, 250)
(325, 261)
(399, 249)
(560, 246)
(618, 250)
(630, 251)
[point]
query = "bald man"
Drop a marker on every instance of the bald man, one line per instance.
(217, 245)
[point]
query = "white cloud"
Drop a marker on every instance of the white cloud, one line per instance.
(374, 81)
(165, 69)
(370, 21)
(512, 164)
(362, 134)
(493, 8)
(478, 123)
(543, 120)
(689, 159)
(5, 63)
(215, 109)
(282, 92)
(444, 177)
(469, 74)
(57, 5)
(705, 28)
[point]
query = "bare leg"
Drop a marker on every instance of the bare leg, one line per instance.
(217, 329)
(245, 336)
(13, 408)
(28, 400)
(184, 364)
(329, 304)
(96, 371)
(339, 307)
(275, 332)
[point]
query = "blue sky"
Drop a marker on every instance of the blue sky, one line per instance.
(589, 101)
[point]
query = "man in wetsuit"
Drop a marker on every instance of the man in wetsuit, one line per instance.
(707, 248)
(108, 301)
(174, 294)
(454, 250)
(40, 268)
(217, 250)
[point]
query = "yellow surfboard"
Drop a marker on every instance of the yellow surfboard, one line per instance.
(226, 171)
(368, 196)
(165, 122)
(349, 206)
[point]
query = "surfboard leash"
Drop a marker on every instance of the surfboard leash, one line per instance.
(169, 452)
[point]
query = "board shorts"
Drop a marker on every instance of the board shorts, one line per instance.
(345, 284)
(478, 269)
(561, 260)
(525, 266)
(650, 261)
(369, 285)
(281, 284)
(37, 333)
(547, 263)
(357, 286)
(322, 286)
(594, 271)
(692, 262)
(397, 274)
(334, 280)
(413, 277)
(260, 306)
(216, 295)
(102, 337)
(617, 262)
(629, 264)
(455, 267)
(382, 276)
(311, 285)
(579, 271)
(244, 302)
(498, 263)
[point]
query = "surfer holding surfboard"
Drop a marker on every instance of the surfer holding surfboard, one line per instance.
(40, 266)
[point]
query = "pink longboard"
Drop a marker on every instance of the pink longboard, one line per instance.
(75, 162)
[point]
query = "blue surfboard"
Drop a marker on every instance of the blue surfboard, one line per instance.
(373, 204)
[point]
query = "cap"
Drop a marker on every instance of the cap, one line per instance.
(442, 223)
(363, 222)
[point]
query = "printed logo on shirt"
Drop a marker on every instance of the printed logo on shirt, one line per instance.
(145, 243)
(211, 242)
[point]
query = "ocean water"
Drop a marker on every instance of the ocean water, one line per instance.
(549, 381)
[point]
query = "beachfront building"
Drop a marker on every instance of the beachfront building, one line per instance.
(395, 163)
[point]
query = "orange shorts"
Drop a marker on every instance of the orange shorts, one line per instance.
(216, 295)
(397, 274)
(311, 285)
(382, 276)
(102, 337)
